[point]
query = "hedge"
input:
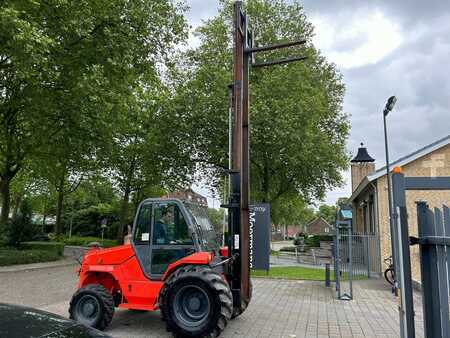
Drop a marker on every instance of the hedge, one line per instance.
(288, 248)
(85, 241)
(13, 256)
(314, 241)
(55, 247)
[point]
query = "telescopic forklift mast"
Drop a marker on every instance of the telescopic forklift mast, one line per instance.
(238, 204)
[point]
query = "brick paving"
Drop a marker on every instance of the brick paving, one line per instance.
(279, 308)
(282, 308)
(297, 309)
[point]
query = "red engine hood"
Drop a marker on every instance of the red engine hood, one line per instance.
(110, 256)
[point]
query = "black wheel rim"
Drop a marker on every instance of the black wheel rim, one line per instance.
(87, 310)
(192, 306)
(389, 275)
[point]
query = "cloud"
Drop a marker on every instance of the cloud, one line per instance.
(368, 39)
(416, 71)
(382, 48)
(407, 12)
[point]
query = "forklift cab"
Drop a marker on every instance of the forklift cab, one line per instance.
(166, 230)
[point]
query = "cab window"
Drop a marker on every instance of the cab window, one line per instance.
(170, 227)
(171, 240)
(143, 223)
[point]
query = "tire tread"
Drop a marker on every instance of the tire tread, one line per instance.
(215, 283)
(106, 301)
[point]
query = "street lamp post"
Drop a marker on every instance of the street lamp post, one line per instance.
(387, 109)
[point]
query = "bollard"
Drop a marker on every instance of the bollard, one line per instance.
(327, 275)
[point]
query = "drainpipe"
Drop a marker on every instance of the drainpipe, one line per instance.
(377, 224)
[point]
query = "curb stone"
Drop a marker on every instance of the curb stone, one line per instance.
(36, 266)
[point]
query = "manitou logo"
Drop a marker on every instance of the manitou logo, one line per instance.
(252, 228)
(259, 236)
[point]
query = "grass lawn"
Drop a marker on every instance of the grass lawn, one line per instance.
(297, 272)
(11, 256)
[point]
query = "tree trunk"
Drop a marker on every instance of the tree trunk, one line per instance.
(17, 203)
(123, 215)
(44, 217)
(59, 207)
(125, 202)
(265, 184)
(5, 192)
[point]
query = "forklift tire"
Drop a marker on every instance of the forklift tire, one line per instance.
(238, 310)
(92, 305)
(195, 301)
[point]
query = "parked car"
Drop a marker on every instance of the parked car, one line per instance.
(23, 322)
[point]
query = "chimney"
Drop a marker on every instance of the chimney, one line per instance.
(361, 165)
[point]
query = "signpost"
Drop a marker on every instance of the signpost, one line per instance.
(104, 223)
(259, 236)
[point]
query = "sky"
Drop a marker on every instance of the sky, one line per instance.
(382, 48)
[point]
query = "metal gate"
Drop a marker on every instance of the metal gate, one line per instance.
(434, 243)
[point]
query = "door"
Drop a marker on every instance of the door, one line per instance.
(141, 236)
(171, 238)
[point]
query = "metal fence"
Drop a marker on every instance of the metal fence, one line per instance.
(366, 255)
(355, 255)
(434, 242)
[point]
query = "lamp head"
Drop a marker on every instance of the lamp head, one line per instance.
(390, 105)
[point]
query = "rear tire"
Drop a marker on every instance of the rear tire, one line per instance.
(389, 275)
(195, 301)
(238, 310)
(92, 305)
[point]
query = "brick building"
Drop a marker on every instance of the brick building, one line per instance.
(188, 195)
(369, 193)
(319, 226)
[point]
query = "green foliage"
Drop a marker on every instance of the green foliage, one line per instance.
(291, 272)
(54, 247)
(342, 202)
(216, 216)
(298, 272)
(314, 241)
(85, 241)
(14, 256)
(291, 209)
(67, 71)
(298, 129)
(288, 248)
(21, 227)
(298, 241)
(328, 213)
(87, 221)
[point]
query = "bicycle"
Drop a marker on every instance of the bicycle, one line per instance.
(389, 273)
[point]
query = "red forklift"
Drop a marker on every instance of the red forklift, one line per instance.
(174, 262)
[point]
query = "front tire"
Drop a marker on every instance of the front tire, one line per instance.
(196, 302)
(92, 305)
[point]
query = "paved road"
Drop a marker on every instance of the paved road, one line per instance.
(279, 308)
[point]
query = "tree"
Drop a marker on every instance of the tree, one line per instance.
(342, 202)
(328, 213)
(147, 150)
(298, 129)
(20, 228)
(216, 216)
(65, 66)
